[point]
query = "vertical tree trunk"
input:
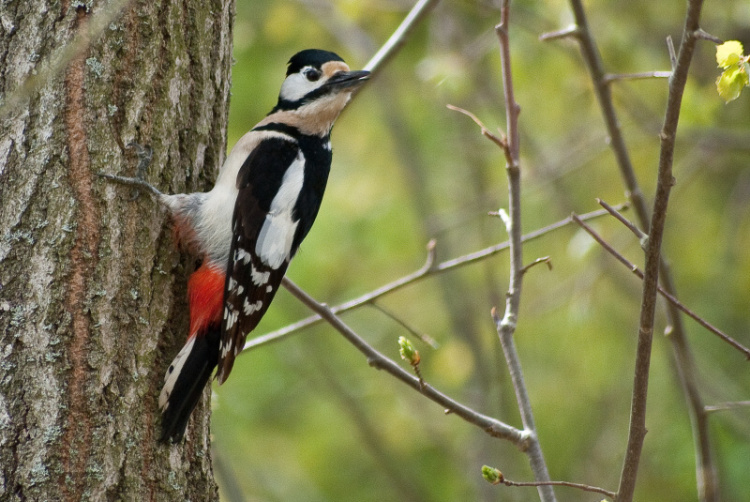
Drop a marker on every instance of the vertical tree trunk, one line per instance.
(92, 288)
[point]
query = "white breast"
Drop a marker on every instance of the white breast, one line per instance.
(277, 234)
(213, 226)
(214, 229)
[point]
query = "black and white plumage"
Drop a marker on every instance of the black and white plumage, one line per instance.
(281, 185)
(250, 225)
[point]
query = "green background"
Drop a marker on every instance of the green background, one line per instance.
(307, 419)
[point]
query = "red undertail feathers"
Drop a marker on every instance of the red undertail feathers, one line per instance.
(191, 369)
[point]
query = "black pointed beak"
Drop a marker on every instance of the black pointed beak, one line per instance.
(348, 79)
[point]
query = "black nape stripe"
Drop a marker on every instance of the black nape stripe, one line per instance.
(279, 127)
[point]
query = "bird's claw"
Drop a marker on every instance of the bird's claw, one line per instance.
(145, 154)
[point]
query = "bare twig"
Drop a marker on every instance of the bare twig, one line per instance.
(422, 336)
(705, 469)
(498, 140)
(618, 215)
(398, 39)
(579, 486)
(670, 298)
(672, 52)
(613, 77)
(665, 181)
(544, 259)
(727, 406)
(429, 269)
(491, 426)
(699, 33)
(506, 325)
(571, 31)
(603, 94)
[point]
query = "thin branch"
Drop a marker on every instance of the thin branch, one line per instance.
(579, 486)
(491, 426)
(398, 39)
(618, 215)
(613, 77)
(571, 31)
(603, 94)
(705, 469)
(506, 326)
(670, 298)
(544, 259)
(727, 406)
(427, 270)
(672, 52)
(421, 336)
(699, 33)
(498, 140)
(665, 180)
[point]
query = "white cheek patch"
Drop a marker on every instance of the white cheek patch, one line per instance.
(277, 234)
(296, 86)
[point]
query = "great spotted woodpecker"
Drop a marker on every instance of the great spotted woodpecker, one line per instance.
(250, 225)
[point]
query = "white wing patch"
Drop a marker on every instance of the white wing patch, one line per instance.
(173, 372)
(277, 234)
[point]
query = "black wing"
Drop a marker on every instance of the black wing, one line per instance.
(264, 213)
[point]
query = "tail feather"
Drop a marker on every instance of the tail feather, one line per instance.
(185, 380)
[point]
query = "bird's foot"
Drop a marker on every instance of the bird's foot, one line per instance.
(144, 153)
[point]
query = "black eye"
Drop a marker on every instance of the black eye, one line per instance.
(311, 74)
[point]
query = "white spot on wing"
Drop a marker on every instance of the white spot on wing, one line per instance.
(248, 308)
(225, 349)
(260, 278)
(277, 234)
(241, 254)
(231, 317)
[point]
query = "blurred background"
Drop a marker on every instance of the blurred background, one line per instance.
(306, 419)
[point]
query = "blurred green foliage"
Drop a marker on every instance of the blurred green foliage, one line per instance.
(307, 419)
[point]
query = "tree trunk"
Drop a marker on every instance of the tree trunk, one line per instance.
(92, 288)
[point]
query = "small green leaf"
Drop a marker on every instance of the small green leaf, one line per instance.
(731, 82)
(492, 475)
(407, 351)
(729, 53)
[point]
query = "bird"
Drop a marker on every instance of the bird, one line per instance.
(248, 227)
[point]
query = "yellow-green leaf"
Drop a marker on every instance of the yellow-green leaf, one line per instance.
(729, 53)
(492, 475)
(731, 82)
(408, 352)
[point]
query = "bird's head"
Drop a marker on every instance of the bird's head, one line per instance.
(318, 85)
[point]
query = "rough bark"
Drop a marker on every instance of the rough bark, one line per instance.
(92, 287)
